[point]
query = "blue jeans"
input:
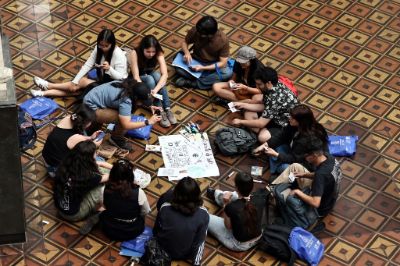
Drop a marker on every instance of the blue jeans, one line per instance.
(151, 81)
(208, 78)
(275, 165)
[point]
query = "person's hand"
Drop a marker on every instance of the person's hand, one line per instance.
(73, 87)
(226, 198)
(106, 66)
(236, 122)
(240, 86)
(188, 58)
(259, 149)
(270, 152)
(155, 108)
(238, 105)
(154, 119)
(196, 68)
(294, 192)
(94, 136)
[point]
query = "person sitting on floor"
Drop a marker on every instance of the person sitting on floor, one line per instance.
(144, 60)
(242, 86)
(68, 132)
(181, 224)
(240, 228)
(78, 190)
(107, 58)
(324, 183)
(275, 104)
(289, 149)
(125, 204)
(211, 49)
(114, 101)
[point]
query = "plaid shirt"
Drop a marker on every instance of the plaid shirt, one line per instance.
(278, 101)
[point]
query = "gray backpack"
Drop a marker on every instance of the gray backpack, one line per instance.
(233, 141)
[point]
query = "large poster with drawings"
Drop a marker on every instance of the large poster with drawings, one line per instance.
(191, 156)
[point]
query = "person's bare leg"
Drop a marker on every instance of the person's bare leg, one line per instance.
(69, 86)
(252, 116)
(58, 93)
(222, 90)
(264, 135)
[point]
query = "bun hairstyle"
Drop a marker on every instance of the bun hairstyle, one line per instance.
(121, 178)
(82, 118)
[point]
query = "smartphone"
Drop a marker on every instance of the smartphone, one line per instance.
(100, 136)
(158, 112)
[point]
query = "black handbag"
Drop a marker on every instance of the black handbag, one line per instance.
(155, 255)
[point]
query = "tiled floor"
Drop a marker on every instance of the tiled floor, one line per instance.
(344, 57)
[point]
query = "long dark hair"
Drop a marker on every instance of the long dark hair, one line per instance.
(121, 179)
(109, 37)
(76, 168)
(148, 41)
(186, 196)
(81, 118)
(244, 185)
(128, 87)
(308, 125)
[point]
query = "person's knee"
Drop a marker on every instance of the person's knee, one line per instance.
(264, 136)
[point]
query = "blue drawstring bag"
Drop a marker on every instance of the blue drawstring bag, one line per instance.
(306, 246)
(137, 245)
(92, 74)
(39, 107)
(344, 146)
(139, 133)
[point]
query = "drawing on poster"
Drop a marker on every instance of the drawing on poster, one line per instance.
(195, 156)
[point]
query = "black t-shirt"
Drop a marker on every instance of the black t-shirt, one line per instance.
(239, 71)
(67, 201)
(55, 148)
(324, 185)
(235, 211)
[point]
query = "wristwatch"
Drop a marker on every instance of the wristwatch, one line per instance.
(146, 122)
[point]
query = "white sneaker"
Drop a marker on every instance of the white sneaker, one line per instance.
(37, 93)
(41, 83)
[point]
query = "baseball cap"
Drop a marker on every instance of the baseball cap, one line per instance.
(245, 54)
(142, 93)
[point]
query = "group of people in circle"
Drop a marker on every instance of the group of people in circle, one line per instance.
(113, 82)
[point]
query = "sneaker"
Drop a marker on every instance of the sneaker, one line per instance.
(121, 143)
(36, 93)
(220, 101)
(89, 224)
(171, 117)
(210, 193)
(187, 83)
(41, 83)
(164, 122)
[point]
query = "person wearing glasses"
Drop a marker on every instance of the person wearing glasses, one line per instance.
(125, 204)
(108, 60)
(211, 48)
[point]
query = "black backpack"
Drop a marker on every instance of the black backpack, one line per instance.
(233, 141)
(27, 130)
(275, 241)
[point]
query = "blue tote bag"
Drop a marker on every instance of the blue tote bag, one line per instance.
(39, 107)
(342, 145)
(139, 133)
(306, 246)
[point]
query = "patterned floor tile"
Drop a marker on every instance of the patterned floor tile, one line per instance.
(343, 57)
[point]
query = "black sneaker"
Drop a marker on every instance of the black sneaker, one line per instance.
(220, 101)
(186, 83)
(89, 224)
(318, 228)
(210, 193)
(121, 143)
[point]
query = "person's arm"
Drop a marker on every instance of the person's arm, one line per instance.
(186, 53)
(143, 202)
(259, 107)
(118, 65)
(200, 238)
(247, 89)
(104, 164)
(314, 201)
(255, 123)
(221, 64)
(126, 122)
(134, 66)
(104, 178)
(75, 139)
(227, 222)
(164, 74)
(86, 67)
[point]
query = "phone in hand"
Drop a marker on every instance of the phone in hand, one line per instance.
(97, 65)
(158, 112)
(100, 136)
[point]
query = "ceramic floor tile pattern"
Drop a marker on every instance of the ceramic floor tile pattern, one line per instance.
(344, 57)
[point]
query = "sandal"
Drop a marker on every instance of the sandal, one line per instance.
(121, 153)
